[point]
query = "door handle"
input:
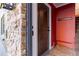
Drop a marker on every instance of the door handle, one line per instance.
(32, 27)
(48, 30)
(3, 39)
(32, 33)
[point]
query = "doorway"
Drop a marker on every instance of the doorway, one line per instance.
(41, 23)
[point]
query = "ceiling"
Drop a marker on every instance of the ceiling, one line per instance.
(59, 4)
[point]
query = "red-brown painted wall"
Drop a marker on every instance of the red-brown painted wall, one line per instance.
(65, 25)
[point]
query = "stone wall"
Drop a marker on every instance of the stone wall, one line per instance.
(15, 36)
(23, 29)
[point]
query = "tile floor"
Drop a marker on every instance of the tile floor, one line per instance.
(60, 50)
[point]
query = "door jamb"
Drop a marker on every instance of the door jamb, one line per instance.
(49, 25)
(35, 30)
(34, 19)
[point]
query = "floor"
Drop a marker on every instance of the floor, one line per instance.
(61, 51)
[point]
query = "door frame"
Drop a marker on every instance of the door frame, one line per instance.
(35, 28)
(29, 29)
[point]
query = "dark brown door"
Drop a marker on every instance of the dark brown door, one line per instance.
(43, 32)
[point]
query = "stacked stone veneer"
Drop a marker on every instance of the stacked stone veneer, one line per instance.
(15, 31)
(23, 30)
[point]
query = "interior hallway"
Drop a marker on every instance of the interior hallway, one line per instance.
(65, 32)
(65, 21)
